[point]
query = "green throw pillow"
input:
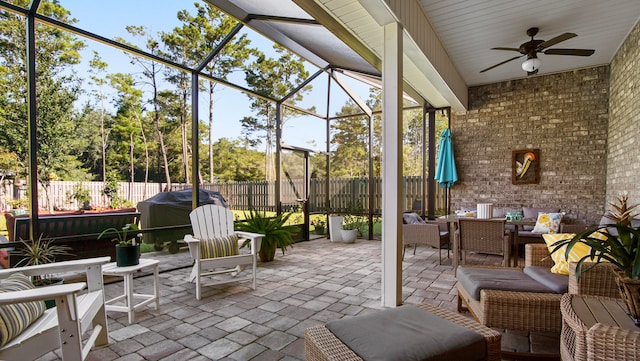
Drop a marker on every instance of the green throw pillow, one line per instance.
(15, 318)
(219, 247)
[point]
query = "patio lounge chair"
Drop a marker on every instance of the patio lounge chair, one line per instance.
(35, 331)
(215, 246)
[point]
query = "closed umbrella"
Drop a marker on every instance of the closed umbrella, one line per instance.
(446, 173)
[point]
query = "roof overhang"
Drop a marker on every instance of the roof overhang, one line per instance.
(348, 34)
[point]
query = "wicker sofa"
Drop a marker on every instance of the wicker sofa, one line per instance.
(533, 311)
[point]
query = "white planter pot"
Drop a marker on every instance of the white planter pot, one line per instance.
(349, 235)
(335, 224)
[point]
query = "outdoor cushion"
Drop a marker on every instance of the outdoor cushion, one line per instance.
(219, 247)
(475, 279)
(412, 218)
(579, 250)
(548, 222)
(532, 212)
(555, 282)
(15, 318)
(499, 212)
(407, 333)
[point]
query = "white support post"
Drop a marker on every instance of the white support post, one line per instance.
(392, 166)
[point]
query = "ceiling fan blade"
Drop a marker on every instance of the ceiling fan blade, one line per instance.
(576, 52)
(504, 62)
(556, 40)
(510, 49)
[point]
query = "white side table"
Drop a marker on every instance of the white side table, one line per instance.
(129, 297)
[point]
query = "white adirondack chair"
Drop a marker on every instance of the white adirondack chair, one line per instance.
(64, 325)
(212, 221)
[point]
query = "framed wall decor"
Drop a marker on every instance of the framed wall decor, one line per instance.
(525, 166)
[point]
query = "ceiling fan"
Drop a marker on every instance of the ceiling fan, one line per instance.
(532, 47)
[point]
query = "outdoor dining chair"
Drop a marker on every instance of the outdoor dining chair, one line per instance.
(482, 236)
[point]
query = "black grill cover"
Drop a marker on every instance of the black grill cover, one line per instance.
(172, 209)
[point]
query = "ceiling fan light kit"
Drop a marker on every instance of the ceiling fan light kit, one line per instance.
(531, 65)
(531, 48)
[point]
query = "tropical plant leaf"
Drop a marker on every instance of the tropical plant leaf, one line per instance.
(276, 230)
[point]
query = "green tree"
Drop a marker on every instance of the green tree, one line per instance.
(412, 142)
(56, 90)
(178, 45)
(98, 69)
(126, 133)
(151, 71)
(211, 26)
(87, 147)
(274, 78)
(234, 161)
(350, 138)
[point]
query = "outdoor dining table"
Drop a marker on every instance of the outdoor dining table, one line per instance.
(452, 219)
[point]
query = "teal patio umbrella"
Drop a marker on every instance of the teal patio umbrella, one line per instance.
(446, 173)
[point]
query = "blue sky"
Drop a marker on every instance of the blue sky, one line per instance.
(109, 19)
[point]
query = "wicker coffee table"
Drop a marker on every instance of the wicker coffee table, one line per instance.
(597, 328)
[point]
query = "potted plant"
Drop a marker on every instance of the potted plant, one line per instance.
(319, 225)
(128, 245)
(619, 244)
(278, 234)
(42, 252)
(81, 195)
(351, 225)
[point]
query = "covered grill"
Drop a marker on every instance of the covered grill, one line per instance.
(172, 209)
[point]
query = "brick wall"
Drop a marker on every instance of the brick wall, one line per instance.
(564, 115)
(623, 159)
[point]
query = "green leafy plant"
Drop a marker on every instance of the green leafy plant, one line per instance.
(350, 222)
(620, 244)
(40, 252)
(80, 194)
(111, 191)
(319, 223)
(17, 203)
(123, 236)
(278, 234)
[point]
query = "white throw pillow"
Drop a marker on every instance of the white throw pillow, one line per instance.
(548, 222)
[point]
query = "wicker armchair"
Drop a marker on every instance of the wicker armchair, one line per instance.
(535, 312)
(432, 234)
(481, 235)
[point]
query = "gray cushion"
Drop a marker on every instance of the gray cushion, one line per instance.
(408, 333)
(475, 279)
(412, 218)
(532, 212)
(555, 282)
(499, 212)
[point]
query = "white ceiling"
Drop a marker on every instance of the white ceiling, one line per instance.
(468, 29)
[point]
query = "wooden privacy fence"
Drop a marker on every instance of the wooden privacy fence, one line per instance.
(346, 194)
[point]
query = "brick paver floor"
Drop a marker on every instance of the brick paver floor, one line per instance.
(314, 282)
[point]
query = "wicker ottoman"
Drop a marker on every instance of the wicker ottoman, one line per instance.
(321, 344)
